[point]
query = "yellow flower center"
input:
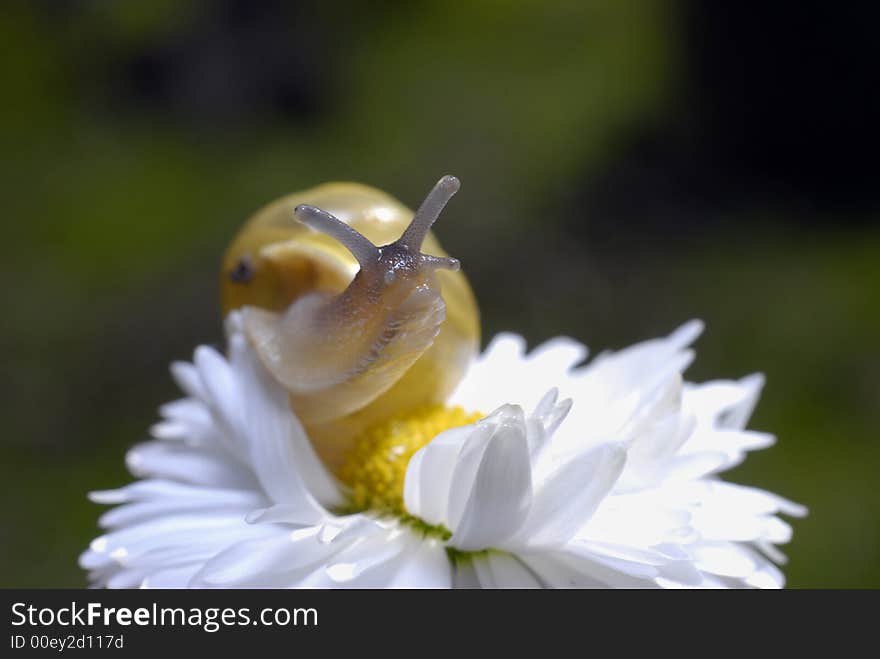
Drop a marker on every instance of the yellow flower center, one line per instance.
(375, 466)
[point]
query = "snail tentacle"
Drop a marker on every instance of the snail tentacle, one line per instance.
(355, 242)
(428, 212)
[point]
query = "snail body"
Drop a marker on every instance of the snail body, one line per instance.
(352, 305)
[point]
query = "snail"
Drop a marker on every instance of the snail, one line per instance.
(352, 305)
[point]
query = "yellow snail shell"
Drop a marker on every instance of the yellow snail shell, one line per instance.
(356, 333)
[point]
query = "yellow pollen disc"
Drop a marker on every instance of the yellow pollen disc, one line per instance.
(375, 466)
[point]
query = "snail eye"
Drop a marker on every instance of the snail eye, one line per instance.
(243, 272)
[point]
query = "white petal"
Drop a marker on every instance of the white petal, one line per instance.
(555, 573)
(393, 558)
(568, 499)
(646, 555)
(222, 389)
(505, 375)
(501, 570)
(426, 566)
(369, 563)
(154, 488)
(766, 576)
(126, 579)
(737, 416)
(723, 558)
(542, 424)
(645, 364)
(466, 467)
(504, 348)
(429, 475)
(137, 512)
(560, 354)
(642, 519)
(725, 403)
(196, 536)
(500, 498)
(261, 562)
(186, 420)
(178, 577)
(301, 513)
(465, 576)
(732, 443)
(278, 560)
(187, 377)
(692, 466)
(280, 452)
(618, 572)
(198, 466)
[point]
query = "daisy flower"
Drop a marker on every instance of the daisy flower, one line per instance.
(538, 472)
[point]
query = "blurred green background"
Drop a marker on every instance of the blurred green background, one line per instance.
(626, 166)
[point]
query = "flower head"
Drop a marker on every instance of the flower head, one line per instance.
(600, 475)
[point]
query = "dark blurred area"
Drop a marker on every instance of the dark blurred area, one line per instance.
(636, 163)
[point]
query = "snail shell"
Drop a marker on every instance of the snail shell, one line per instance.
(352, 305)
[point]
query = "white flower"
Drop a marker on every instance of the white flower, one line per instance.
(615, 486)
